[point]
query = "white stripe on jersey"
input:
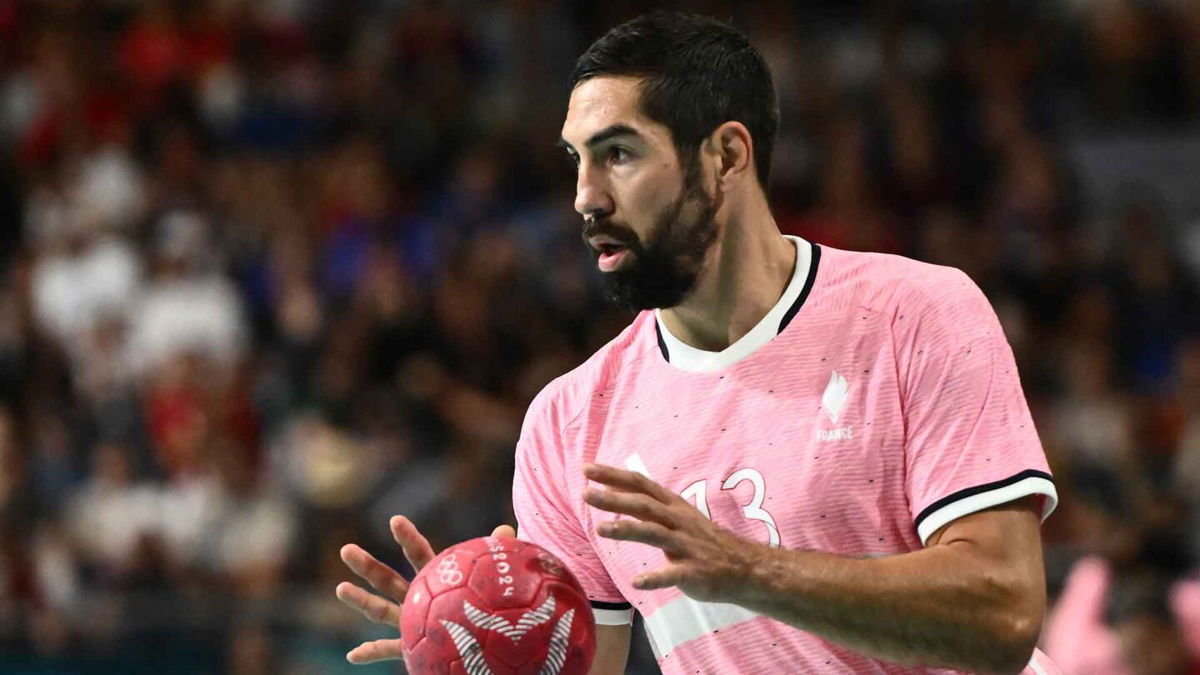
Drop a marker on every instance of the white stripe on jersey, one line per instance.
(684, 619)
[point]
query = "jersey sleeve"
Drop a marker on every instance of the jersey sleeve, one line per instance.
(548, 513)
(970, 442)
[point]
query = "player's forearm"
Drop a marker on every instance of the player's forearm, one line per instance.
(941, 606)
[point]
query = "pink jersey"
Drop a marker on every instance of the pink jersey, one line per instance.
(876, 402)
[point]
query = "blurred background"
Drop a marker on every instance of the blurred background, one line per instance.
(272, 271)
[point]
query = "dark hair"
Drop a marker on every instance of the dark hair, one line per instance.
(698, 74)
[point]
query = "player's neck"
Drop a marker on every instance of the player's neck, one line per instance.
(744, 277)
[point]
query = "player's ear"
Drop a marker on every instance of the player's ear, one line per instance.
(732, 151)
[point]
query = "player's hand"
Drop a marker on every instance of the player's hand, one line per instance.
(385, 608)
(704, 560)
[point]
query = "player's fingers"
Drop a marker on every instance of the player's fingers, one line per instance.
(374, 607)
(630, 481)
(381, 577)
(376, 650)
(663, 577)
(416, 546)
(640, 506)
(643, 532)
(504, 531)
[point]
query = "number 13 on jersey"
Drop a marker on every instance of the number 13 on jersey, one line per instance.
(697, 493)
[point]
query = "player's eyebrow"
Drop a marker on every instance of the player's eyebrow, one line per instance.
(605, 134)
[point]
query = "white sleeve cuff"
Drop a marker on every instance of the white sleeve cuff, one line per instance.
(612, 613)
(973, 499)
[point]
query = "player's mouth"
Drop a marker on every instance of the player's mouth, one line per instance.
(611, 255)
(611, 251)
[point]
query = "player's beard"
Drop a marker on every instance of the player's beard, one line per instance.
(662, 271)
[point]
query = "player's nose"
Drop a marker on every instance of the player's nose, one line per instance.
(591, 192)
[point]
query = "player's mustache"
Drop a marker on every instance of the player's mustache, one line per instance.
(593, 227)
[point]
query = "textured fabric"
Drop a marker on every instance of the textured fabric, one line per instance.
(890, 397)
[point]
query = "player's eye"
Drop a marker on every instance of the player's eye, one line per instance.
(573, 160)
(619, 155)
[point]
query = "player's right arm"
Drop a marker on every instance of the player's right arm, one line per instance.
(612, 649)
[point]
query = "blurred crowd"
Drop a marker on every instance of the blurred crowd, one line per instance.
(272, 271)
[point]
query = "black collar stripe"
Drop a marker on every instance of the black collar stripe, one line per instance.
(787, 318)
(808, 284)
(662, 344)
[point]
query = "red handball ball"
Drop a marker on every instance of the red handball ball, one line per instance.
(497, 605)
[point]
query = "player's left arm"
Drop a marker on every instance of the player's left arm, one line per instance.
(973, 599)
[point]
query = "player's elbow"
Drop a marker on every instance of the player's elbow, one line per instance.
(1009, 623)
(1017, 605)
(1015, 647)
(1012, 641)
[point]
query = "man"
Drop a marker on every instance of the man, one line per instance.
(818, 461)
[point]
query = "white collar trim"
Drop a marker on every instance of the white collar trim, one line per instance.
(687, 357)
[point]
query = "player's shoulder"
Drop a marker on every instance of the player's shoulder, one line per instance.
(890, 283)
(566, 396)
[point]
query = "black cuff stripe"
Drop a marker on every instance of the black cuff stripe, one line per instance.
(596, 604)
(986, 487)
